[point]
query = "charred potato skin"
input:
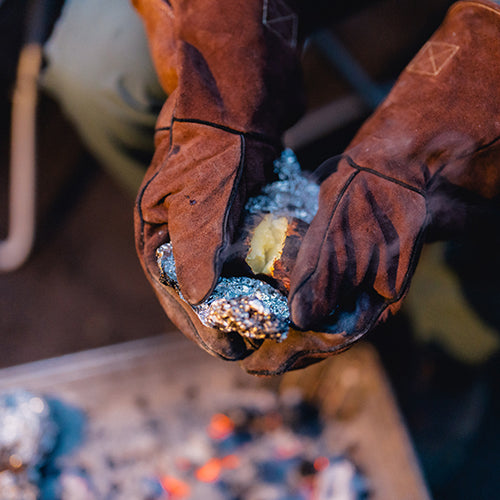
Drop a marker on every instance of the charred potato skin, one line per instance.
(281, 268)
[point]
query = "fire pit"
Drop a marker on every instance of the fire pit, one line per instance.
(158, 419)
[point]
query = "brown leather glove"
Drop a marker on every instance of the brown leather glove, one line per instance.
(233, 78)
(426, 164)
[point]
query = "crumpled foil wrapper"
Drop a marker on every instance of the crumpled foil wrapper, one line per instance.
(249, 306)
(292, 195)
(241, 305)
(27, 435)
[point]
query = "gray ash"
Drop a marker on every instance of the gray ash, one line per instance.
(263, 446)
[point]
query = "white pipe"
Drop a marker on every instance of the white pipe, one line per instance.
(14, 250)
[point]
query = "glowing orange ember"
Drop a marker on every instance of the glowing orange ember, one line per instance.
(230, 462)
(220, 427)
(321, 463)
(209, 472)
(175, 487)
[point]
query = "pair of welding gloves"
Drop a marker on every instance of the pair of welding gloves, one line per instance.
(425, 165)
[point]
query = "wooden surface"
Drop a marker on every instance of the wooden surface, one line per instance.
(351, 390)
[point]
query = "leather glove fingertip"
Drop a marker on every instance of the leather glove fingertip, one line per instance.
(308, 310)
(300, 310)
(196, 282)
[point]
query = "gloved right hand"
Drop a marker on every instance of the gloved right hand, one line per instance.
(233, 78)
(425, 165)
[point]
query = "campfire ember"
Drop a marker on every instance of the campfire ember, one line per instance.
(274, 454)
(260, 447)
(220, 427)
(174, 487)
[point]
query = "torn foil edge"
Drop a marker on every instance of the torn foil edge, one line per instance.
(243, 305)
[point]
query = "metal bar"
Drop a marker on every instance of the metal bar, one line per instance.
(357, 77)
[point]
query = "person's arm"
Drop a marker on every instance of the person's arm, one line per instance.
(233, 77)
(425, 165)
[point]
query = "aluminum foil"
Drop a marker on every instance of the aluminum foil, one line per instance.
(292, 195)
(27, 431)
(243, 305)
(27, 435)
(17, 486)
(249, 306)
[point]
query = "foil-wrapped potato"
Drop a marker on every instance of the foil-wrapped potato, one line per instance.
(251, 300)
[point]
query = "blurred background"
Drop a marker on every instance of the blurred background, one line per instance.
(82, 286)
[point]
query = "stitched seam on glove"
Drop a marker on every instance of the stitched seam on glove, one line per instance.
(232, 197)
(359, 169)
(480, 149)
(302, 354)
(413, 260)
(139, 206)
(337, 202)
(254, 135)
(354, 165)
(157, 282)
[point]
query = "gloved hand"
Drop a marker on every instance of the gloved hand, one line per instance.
(233, 78)
(425, 165)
